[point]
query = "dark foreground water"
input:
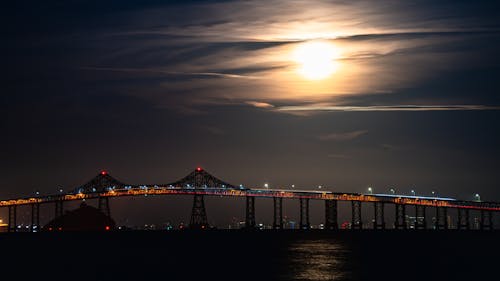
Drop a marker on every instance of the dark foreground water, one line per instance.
(260, 255)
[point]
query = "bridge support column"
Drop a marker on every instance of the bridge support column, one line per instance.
(331, 217)
(250, 213)
(12, 227)
(59, 208)
(198, 214)
(463, 219)
(35, 217)
(103, 205)
(278, 213)
(304, 213)
(400, 217)
(379, 221)
(441, 218)
(356, 215)
(486, 220)
(420, 213)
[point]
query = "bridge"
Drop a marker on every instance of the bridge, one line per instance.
(200, 183)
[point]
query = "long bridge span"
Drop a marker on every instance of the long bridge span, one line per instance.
(200, 183)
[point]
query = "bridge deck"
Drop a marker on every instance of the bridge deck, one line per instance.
(290, 194)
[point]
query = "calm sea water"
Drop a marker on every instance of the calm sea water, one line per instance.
(260, 255)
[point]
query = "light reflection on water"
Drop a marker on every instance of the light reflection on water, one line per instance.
(317, 260)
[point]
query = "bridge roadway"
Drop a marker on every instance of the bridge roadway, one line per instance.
(198, 183)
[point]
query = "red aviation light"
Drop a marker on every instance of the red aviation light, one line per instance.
(103, 173)
(198, 169)
(107, 227)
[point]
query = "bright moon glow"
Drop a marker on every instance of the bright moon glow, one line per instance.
(316, 59)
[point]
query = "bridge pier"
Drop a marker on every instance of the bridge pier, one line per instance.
(441, 218)
(420, 213)
(379, 220)
(463, 219)
(103, 205)
(331, 216)
(278, 213)
(356, 222)
(35, 217)
(250, 213)
(59, 208)
(12, 227)
(486, 221)
(198, 214)
(400, 217)
(304, 213)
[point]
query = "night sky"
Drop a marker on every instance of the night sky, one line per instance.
(149, 90)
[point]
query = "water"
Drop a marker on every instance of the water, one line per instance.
(260, 255)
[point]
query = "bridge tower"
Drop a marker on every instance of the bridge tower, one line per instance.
(420, 213)
(356, 222)
(463, 219)
(198, 214)
(379, 220)
(331, 215)
(278, 213)
(486, 220)
(250, 213)
(400, 217)
(103, 205)
(59, 208)
(198, 180)
(12, 227)
(35, 217)
(441, 218)
(304, 213)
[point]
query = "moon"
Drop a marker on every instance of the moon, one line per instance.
(316, 60)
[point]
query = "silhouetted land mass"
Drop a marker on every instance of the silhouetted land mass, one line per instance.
(250, 255)
(84, 218)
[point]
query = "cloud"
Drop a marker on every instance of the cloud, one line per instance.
(159, 71)
(259, 104)
(345, 136)
(241, 51)
(345, 108)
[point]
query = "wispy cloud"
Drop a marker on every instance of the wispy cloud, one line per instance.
(259, 104)
(242, 51)
(341, 108)
(345, 136)
(165, 72)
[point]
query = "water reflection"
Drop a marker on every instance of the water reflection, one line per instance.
(317, 260)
